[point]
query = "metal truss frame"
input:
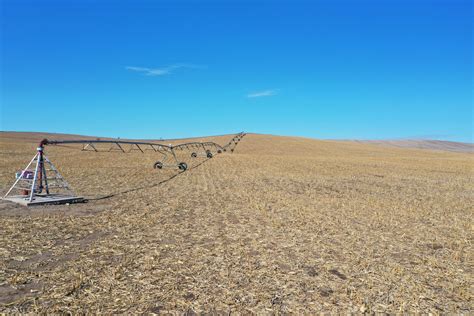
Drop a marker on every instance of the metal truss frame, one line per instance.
(36, 183)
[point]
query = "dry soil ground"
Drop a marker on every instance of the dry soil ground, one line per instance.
(282, 225)
(425, 144)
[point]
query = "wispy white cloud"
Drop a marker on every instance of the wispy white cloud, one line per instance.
(162, 71)
(264, 93)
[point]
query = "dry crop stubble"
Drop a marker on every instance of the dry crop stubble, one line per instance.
(282, 225)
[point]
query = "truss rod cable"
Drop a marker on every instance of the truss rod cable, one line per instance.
(184, 145)
(87, 141)
(66, 146)
(63, 143)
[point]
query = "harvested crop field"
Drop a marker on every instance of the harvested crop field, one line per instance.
(281, 225)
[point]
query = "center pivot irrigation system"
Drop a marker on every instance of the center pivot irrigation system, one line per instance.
(41, 183)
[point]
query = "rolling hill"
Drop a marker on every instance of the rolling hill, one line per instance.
(284, 224)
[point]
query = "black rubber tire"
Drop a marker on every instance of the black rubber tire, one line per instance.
(209, 155)
(158, 165)
(219, 151)
(182, 166)
(194, 155)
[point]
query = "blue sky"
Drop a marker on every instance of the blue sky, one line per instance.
(323, 69)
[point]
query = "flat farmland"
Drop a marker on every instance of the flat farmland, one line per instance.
(282, 225)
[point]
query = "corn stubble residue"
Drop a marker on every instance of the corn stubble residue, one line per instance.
(282, 225)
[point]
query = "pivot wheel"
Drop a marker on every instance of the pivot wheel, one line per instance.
(209, 154)
(158, 165)
(182, 166)
(219, 151)
(194, 155)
